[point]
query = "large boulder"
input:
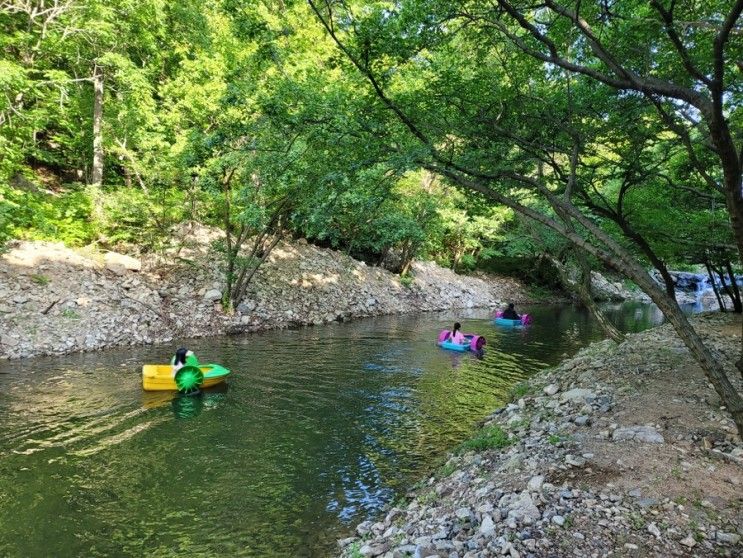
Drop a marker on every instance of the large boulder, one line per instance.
(121, 263)
(213, 295)
(577, 395)
(523, 508)
(645, 434)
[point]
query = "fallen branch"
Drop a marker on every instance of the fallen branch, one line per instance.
(45, 312)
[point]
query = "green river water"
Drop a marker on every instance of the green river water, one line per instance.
(317, 429)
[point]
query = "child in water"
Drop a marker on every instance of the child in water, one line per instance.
(456, 335)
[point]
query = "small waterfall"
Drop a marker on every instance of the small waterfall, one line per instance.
(692, 288)
(701, 286)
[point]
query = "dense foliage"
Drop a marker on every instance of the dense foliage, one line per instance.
(570, 113)
(248, 114)
(219, 111)
(198, 92)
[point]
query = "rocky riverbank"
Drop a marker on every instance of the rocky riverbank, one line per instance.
(620, 451)
(55, 300)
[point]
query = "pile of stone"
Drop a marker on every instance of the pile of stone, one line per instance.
(55, 300)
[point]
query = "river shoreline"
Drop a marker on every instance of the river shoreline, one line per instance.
(55, 300)
(585, 462)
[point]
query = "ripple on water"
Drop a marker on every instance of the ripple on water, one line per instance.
(316, 430)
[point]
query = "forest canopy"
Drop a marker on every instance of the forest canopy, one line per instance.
(120, 119)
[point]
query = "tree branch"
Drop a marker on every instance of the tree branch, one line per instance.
(553, 57)
(721, 39)
(366, 71)
(667, 16)
(695, 191)
(625, 79)
(683, 134)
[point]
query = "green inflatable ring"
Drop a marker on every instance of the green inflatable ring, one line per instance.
(188, 379)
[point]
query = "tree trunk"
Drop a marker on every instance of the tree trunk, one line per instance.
(629, 232)
(246, 275)
(711, 275)
(658, 263)
(232, 248)
(712, 368)
(724, 286)
(582, 288)
(382, 256)
(457, 257)
(632, 269)
(583, 285)
(733, 181)
(738, 308)
(97, 172)
(263, 244)
(737, 304)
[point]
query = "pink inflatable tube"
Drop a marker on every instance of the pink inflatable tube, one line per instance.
(475, 342)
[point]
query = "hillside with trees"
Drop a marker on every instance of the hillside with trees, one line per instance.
(606, 136)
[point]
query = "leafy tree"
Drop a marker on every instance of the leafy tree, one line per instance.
(480, 95)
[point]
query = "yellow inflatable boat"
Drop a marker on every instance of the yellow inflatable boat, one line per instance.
(159, 377)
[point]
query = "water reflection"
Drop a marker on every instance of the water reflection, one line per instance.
(186, 406)
(319, 429)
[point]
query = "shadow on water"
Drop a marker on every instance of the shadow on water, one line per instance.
(319, 429)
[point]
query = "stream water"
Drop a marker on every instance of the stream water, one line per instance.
(316, 430)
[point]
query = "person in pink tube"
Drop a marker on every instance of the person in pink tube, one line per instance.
(456, 335)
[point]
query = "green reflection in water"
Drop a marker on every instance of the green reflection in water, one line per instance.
(319, 428)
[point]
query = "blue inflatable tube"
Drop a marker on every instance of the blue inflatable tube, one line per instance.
(473, 342)
(525, 319)
(449, 346)
(507, 322)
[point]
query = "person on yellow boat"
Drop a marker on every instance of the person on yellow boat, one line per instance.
(182, 358)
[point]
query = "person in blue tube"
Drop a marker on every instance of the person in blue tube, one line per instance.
(510, 313)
